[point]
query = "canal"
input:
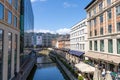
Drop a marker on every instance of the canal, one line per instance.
(46, 69)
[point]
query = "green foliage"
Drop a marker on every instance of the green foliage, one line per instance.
(80, 78)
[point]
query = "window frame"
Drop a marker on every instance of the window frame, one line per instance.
(2, 10)
(110, 28)
(2, 53)
(9, 17)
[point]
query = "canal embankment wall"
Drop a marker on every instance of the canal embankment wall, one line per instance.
(67, 72)
(25, 69)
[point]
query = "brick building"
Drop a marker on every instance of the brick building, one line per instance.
(103, 17)
(9, 38)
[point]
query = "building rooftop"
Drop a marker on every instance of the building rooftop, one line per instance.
(90, 4)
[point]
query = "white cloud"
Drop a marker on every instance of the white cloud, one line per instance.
(43, 31)
(60, 31)
(63, 31)
(66, 5)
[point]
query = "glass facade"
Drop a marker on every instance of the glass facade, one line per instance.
(1, 11)
(1, 53)
(26, 26)
(9, 54)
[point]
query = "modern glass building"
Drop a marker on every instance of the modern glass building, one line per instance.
(26, 27)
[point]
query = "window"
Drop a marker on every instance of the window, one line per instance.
(90, 23)
(109, 14)
(102, 45)
(118, 10)
(9, 54)
(89, 14)
(110, 46)
(90, 33)
(15, 21)
(94, 11)
(90, 45)
(1, 11)
(1, 53)
(108, 2)
(15, 54)
(101, 18)
(109, 28)
(16, 4)
(95, 45)
(95, 22)
(9, 17)
(95, 32)
(10, 1)
(100, 6)
(101, 30)
(118, 46)
(118, 26)
(83, 46)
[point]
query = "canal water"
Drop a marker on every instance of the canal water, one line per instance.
(47, 70)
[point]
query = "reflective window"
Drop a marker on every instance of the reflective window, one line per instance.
(16, 4)
(1, 53)
(95, 32)
(109, 28)
(118, 46)
(102, 45)
(15, 21)
(9, 17)
(118, 26)
(10, 1)
(95, 45)
(15, 54)
(9, 54)
(101, 31)
(90, 45)
(118, 10)
(1, 11)
(100, 6)
(109, 14)
(101, 18)
(108, 2)
(110, 46)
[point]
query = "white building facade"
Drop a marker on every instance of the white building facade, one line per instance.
(78, 36)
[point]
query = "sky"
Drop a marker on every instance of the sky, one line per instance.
(57, 16)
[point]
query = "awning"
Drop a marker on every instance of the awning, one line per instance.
(102, 56)
(85, 68)
(76, 53)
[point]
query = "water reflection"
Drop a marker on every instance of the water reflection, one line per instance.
(47, 71)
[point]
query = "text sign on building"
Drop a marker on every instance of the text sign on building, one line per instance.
(39, 40)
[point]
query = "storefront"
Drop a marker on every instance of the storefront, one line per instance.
(106, 62)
